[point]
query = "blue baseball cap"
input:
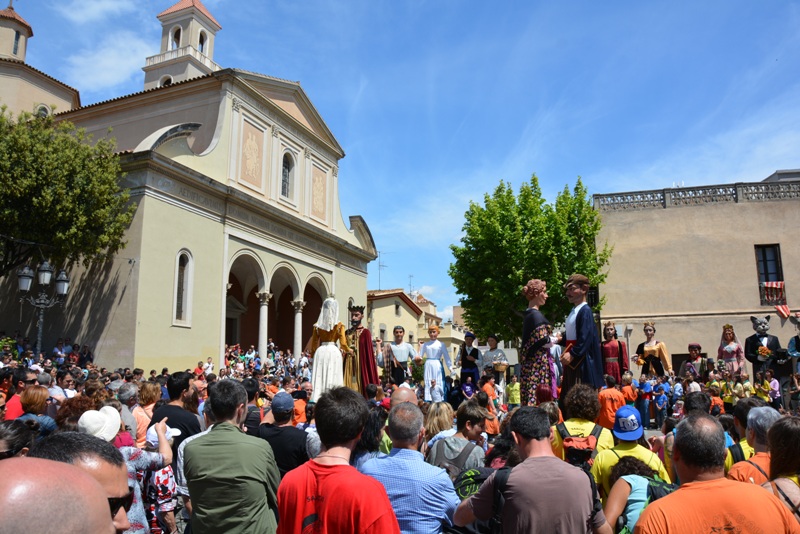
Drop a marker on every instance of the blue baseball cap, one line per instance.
(628, 424)
(282, 402)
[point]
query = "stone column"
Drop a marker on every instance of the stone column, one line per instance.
(263, 310)
(297, 346)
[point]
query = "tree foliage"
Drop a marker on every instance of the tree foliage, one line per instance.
(512, 238)
(59, 194)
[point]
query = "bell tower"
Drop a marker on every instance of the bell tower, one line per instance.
(187, 45)
(14, 34)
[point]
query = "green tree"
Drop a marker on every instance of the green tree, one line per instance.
(59, 194)
(512, 238)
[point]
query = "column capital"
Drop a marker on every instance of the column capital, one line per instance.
(298, 305)
(264, 297)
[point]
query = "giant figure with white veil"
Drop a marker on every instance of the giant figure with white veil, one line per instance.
(328, 371)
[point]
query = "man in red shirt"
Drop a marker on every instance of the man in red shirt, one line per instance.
(611, 400)
(21, 378)
(326, 494)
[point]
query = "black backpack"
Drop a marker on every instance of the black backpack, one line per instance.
(737, 453)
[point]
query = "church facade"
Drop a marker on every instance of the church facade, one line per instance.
(238, 236)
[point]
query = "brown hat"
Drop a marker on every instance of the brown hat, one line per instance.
(576, 279)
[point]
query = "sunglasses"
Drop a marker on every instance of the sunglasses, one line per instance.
(115, 503)
(31, 381)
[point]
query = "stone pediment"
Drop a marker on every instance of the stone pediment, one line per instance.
(292, 99)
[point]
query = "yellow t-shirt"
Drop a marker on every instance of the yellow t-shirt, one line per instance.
(727, 392)
(606, 460)
(581, 428)
(512, 390)
(746, 449)
(763, 394)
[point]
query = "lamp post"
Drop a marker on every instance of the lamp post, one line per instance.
(43, 300)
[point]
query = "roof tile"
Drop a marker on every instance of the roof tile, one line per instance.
(10, 13)
(187, 4)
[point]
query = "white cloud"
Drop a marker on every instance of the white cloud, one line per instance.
(111, 63)
(446, 313)
(89, 11)
(427, 291)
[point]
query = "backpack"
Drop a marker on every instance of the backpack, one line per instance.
(467, 484)
(656, 488)
(454, 466)
(737, 453)
(579, 451)
(500, 482)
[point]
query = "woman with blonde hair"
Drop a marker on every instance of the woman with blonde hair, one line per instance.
(731, 351)
(149, 394)
(439, 419)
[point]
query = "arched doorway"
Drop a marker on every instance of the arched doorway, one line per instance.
(285, 289)
(242, 309)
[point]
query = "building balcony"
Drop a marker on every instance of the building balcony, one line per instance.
(181, 52)
(772, 293)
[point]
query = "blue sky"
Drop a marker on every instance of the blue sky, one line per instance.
(437, 101)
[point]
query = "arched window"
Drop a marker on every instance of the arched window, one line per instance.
(16, 43)
(42, 111)
(287, 176)
(176, 39)
(201, 43)
(165, 81)
(184, 271)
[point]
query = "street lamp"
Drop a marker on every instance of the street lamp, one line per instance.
(43, 301)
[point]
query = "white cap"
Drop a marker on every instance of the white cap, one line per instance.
(103, 424)
(152, 437)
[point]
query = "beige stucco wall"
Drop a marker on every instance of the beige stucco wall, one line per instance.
(692, 269)
(8, 30)
(100, 310)
(22, 89)
(383, 314)
(159, 340)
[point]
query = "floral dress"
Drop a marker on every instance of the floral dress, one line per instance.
(537, 365)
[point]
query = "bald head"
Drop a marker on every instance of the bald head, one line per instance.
(401, 395)
(79, 499)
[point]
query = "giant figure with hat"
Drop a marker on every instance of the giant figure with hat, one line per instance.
(470, 358)
(581, 357)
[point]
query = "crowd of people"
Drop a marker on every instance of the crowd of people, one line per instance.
(324, 443)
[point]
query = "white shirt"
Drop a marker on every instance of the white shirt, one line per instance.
(571, 323)
(433, 350)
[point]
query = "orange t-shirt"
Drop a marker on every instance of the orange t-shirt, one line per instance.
(733, 507)
(629, 393)
(492, 426)
(747, 472)
(611, 400)
(299, 412)
(717, 401)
